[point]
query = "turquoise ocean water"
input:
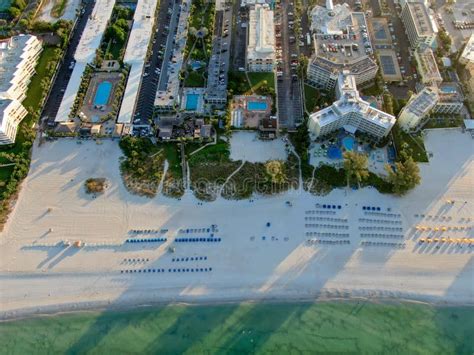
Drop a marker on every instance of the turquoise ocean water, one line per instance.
(268, 328)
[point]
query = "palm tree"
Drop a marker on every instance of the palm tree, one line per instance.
(355, 165)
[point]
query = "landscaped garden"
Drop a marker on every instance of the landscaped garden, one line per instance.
(143, 165)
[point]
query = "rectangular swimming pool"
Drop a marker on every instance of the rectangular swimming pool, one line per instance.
(256, 106)
(192, 102)
(102, 93)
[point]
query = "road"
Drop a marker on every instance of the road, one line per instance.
(290, 105)
(64, 73)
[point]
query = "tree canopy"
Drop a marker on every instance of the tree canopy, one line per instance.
(404, 176)
(355, 166)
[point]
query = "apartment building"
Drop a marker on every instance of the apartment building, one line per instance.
(351, 113)
(12, 113)
(416, 112)
(418, 25)
(18, 58)
(261, 40)
(427, 67)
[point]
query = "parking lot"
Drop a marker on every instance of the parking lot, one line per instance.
(219, 63)
(151, 76)
(290, 105)
(239, 37)
(458, 20)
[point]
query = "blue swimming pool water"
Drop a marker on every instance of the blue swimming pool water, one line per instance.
(447, 89)
(256, 106)
(348, 143)
(192, 102)
(103, 93)
(334, 152)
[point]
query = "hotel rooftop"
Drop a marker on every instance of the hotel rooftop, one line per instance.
(421, 18)
(261, 40)
(135, 55)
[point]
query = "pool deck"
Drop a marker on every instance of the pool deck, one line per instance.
(90, 113)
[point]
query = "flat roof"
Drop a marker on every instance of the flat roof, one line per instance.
(423, 102)
(349, 101)
(135, 54)
(343, 42)
(261, 33)
(85, 53)
(421, 18)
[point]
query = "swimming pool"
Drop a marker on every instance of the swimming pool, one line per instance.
(256, 106)
(102, 93)
(348, 143)
(334, 152)
(192, 102)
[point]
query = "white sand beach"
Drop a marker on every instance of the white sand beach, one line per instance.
(36, 276)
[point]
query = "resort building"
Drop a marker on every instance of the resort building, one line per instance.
(418, 108)
(12, 113)
(467, 55)
(167, 97)
(418, 25)
(261, 40)
(135, 55)
(426, 65)
(450, 100)
(351, 113)
(18, 57)
(85, 54)
(341, 43)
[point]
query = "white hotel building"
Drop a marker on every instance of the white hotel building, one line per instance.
(261, 40)
(351, 113)
(18, 58)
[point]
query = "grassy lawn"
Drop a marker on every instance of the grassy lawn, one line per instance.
(257, 79)
(311, 97)
(414, 143)
(114, 49)
(194, 79)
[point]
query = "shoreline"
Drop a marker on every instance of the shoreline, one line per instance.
(131, 305)
(265, 251)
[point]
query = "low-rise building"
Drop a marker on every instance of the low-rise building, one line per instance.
(261, 40)
(341, 43)
(427, 67)
(418, 108)
(418, 25)
(450, 100)
(12, 113)
(351, 113)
